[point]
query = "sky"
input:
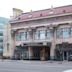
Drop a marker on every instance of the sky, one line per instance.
(6, 6)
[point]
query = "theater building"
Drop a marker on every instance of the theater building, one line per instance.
(42, 35)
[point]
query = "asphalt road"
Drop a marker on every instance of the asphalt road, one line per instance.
(34, 66)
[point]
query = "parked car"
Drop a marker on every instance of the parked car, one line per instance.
(68, 70)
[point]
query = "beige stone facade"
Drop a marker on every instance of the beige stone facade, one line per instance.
(8, 42)
(43, 38)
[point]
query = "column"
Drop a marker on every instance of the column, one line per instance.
(52, 50)
(12, 44)
(42, 54)
(30, 34)
(30, 53)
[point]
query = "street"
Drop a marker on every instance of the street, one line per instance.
(34, 66)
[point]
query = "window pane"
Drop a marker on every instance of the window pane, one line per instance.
(27, 35)
(1, 40)
(37, 34)
(65, 33)
(59, 33)
(42, 34)
(23, 36)
(18, 37)
(71, 32)
(1, 34)
(49, 34)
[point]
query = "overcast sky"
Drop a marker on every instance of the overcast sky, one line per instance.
(27, 5)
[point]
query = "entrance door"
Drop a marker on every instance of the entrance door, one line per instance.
(65, 55)
(47, 53)
(36, 53)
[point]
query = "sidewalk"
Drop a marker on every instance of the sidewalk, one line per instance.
(32, 61)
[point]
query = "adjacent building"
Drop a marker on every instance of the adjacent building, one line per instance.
(42, 35)
(3, 22)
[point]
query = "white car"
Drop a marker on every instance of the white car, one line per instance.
(70, 70)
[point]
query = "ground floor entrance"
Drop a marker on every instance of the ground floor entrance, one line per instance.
(60, 53)
(32, 52)
(41, 53)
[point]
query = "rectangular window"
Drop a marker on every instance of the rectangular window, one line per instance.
(37, 35)
(27, 35)
(18, 37)
(21, 36)
(1, 40)
(59, 33)
(71, 32)
(1, 34)
(40, 34)
(63, 33)
(24, 35)
(49, 34)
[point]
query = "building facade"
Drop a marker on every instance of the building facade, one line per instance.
(1, 40)
(43, 35)
(7, 42)
(3, 22)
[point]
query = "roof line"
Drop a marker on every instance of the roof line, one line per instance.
(48, 9)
